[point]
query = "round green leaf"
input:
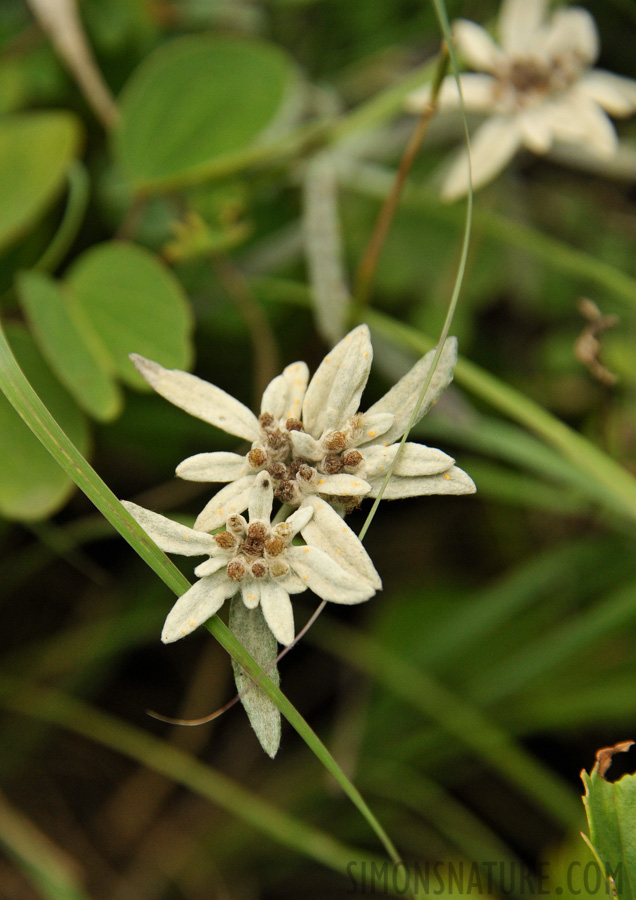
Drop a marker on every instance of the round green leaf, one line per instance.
(35, 152)
(69, 345)
(32, 485)
(133, 304)
(197, 102)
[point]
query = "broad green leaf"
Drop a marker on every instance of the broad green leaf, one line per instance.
(35, 152)
(217, 94)
(611, 814)
(133, 304)
(32, 485)
(249, 628)
(69, 346)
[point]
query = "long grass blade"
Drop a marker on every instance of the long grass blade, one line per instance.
(64, 711)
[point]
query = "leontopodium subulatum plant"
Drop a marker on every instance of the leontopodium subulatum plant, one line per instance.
(537, 87)
(315, 453)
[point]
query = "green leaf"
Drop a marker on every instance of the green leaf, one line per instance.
(133, 304)
(219, 95)
(32, 485)
(611, 814)
(249, 627)
(36, 150)
(68, 345)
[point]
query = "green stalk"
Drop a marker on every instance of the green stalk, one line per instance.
(23, 398)
(76, 203)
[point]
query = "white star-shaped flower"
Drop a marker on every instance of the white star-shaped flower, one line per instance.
(311, 439)
(259, 560)
(537, 87)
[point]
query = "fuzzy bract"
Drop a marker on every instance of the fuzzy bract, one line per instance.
(536, 86)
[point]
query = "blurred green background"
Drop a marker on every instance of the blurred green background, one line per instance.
(465, 698)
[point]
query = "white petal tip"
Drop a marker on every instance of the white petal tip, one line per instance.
(148, 369)
(171, 634)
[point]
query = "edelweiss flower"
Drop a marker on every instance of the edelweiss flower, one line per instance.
(259, 560)
(537, 86)
(312, 440)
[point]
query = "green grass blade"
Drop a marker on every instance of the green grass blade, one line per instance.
(109, 731)
(374, 180)
(540, 657)
(458, 717)
(48, 868)
(617, 483)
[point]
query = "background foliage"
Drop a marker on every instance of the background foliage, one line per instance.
(463, 700)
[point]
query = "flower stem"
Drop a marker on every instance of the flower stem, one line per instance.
(371, 256)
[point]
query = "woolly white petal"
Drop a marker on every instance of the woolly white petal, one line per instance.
(350, 380)
(298, 520)
(615, 94)
(278, 611)
(536, 129)
(334, 392)
(210, 566)
(476, 45)
(572, 31)
(519, 24)
(305, 445)
(284, 396)
(213, 467)
(342, 485)
(291, 582)
(329, 533)
(199, 398)
(197, 605)
(261, 498)
(564, 119)
(454, 481)
(170, 536)
(233, 498)
(251, 592)
(376, 425)
(493, 146)
(477, 91)
(326, 578)
(593, 128)
(414, 460)
(401, 400)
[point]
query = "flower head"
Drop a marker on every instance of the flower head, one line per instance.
(312, 439)
(259, 560)
(536, 85)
